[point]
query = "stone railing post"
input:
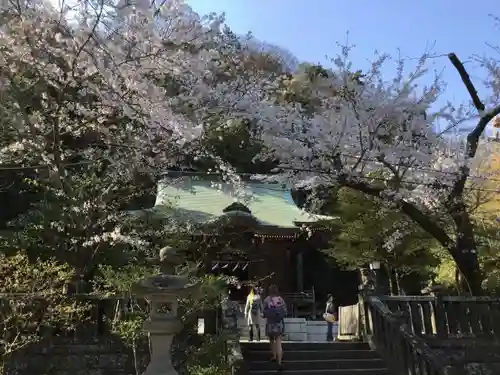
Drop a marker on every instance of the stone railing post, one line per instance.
(230, 327)
(163, 292)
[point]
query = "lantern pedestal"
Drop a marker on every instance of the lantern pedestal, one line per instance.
(162, 292)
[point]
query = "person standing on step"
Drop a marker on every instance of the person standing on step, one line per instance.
(330, 316)
(253, 312)
(275, 312)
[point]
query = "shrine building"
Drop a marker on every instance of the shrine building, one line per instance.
(256, 233)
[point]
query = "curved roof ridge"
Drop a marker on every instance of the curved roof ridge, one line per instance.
(271, 204)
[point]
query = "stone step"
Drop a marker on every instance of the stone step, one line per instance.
(314, 346)
(375, 371)
(318, 338)
(311, 358)
(313, 355)
(318, 364)
(310, 338)
(244, 336)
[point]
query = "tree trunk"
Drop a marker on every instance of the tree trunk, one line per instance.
(136, 360)
(465, 256)
(393, 281)
(464, 251)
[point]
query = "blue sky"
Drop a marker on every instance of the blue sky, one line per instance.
(310, 29)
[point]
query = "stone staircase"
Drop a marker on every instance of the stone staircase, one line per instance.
(301, 358)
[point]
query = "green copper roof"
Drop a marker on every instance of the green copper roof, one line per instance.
(201, 201)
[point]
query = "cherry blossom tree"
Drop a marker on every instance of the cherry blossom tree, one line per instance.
(63, 82)
(380, 136)
(87, 108)
(95, 96)
(100, 91)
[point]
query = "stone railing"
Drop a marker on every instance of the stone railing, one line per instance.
(448, 316)
(228, 326)
(434, 335)
(391, 337)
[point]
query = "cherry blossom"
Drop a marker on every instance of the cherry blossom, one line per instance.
(86, 106)
(100, 77)
(379, 136)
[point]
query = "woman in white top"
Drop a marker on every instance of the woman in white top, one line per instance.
(253, 312)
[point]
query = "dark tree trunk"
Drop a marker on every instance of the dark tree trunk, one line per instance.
(464, 251)
(393, 279)
(467, 262)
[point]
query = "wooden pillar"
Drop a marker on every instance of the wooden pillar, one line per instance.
(277, 263)
(300, 271)
(287, 268)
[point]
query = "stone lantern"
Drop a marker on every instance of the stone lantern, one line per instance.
(162, 292)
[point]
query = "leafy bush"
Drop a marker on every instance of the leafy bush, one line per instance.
(35, 301)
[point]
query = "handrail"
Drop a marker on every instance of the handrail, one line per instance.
(443, 298)
(448, 316)
(404, 352)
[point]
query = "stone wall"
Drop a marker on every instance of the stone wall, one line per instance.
(82, 356)
(296, 329)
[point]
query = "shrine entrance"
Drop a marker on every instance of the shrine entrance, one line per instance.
(326, 277)
(238, 270)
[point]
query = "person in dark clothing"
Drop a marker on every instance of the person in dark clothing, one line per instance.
(275, 312)
(330, 316)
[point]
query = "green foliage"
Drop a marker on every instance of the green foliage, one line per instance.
(129, 313)
(130, 328)
(201, 354)
(211, 289)
(35, 301)
(85, 227)
(208, 358)
(368, 231)
(446, 274)
(488, 239)
(488, 233)
(301, 87)
(197, 353)
(234, 142)
(204, 370)
(119, 281)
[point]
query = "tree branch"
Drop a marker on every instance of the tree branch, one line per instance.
(475, 134)
(406, 207)
(484, 117)
(40, 166)
(467, 81)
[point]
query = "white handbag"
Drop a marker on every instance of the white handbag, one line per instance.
(330, 318)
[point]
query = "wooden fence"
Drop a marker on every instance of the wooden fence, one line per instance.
(448, 316)
(403, 351)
